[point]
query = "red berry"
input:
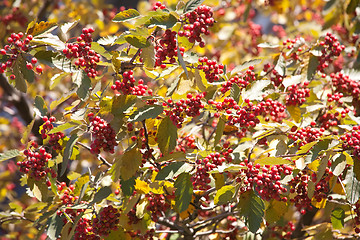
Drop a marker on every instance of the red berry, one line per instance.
(39, 69)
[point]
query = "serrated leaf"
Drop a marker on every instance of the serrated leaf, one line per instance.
(182, 63)
(191, 5)
(54, 81)
(126, 15)
(235, 92)
(292, 80)
(255, 92)
(165, 21)
(172, 170)
(142, 187)
(146, 112)
(183, 192)
(100, 50)
(9, 154)
(122, 103)
(68, 152)
(20, 81)
(41, 27)
(272, 161)
(268, 45)
(312, 67)
(84, 84)
(245, 65)
(219, 129)
(252, 208)
(352, 187)
(280, 66)
(62, 63)
(126, 165)
(108, 40)
(295, 112)
(40, 105)
(137, 41)
(62, 127)
(166, 135)
(224, 195)
(103, 193)
(49, 39)
(55, 224)
(275, 211)
(128, 186)
(337, 218)
(24, 139)
(148, 56)
(338, 164)
(66, 27)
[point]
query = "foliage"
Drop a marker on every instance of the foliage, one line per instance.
(180, 120)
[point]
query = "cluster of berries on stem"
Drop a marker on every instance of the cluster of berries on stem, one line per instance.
(103, 133)
(297, 94)
(331, 48)
(242, 81)
(53, 137)
(351, 140)
(35, 163)
(127, 85)
(81, 51)
(106, 221)
(302, 136)
(167, 48)
(197, 22)
(211, 69)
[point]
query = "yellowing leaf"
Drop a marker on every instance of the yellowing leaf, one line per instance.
(40, 27)
(142, 186)
(166, 135)
(275, 211)
(295, 112)
(126, 165)
(317, 204)
(314, 165)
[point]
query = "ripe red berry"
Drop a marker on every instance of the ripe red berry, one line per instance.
(29, 66)
(39, 69)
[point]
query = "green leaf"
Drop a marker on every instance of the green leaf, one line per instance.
(62, 63)
(319, 146)
(245, 65)
(103, 193)
(126, 15)
(55, 226)
(191, 5)
(41, 106)
(235, 92)
(295, 112)
(252, 208)
(337, 218)
(24, 139)
(84, 84)
(9, 154)
(20, 81)
(280, 66)
(148, 56)
(146, 112)
(255, 92)
(63, 127)
(126, 165)
(219, 129)
(137, 41)
(166, 136)
(182, 63)
(172, 170)
(312, 67)
(128, 186)
(54, 81)
(122, 103)
(275, 211)
(100, 50)
(352, 187)
(164, 21)
(68, 152)
(183, 192)
(224, 195)
(272, 161)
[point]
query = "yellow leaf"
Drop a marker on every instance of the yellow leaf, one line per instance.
(317, 204)
(275, 210)
(40, 27)
(314, 165)
(230, 129)
(185, 214)
(219, 180)
(142, 186)
(295, 112)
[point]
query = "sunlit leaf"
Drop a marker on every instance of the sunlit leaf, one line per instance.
(224, 195)
(126, 15)
(183, 192)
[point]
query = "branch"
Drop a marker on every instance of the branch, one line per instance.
(101, 158)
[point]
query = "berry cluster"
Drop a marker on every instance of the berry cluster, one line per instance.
(158, 5)
(297, 94)
(127, 85)
(201, 177)
(158, 204)
(104, 135)
(211, 69)
(302, 136)
(299, 189)
(357, 216)
(231, 225)
(254, 30)
(167, 48)
(197, 23)
(81, 51)
(35, 163)
(275, 77)
(331, 48)
(282, 232)
(185, 143)
(343, 84)
(14, 16)
(54, 137)
(106, 221)
(190, 107)
(149, 235)
(351, 140)
(266, 180)
(84, 230)
(15, 48)
(275, 109)
(241, 80)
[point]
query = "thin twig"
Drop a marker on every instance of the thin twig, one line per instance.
(101, 158)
